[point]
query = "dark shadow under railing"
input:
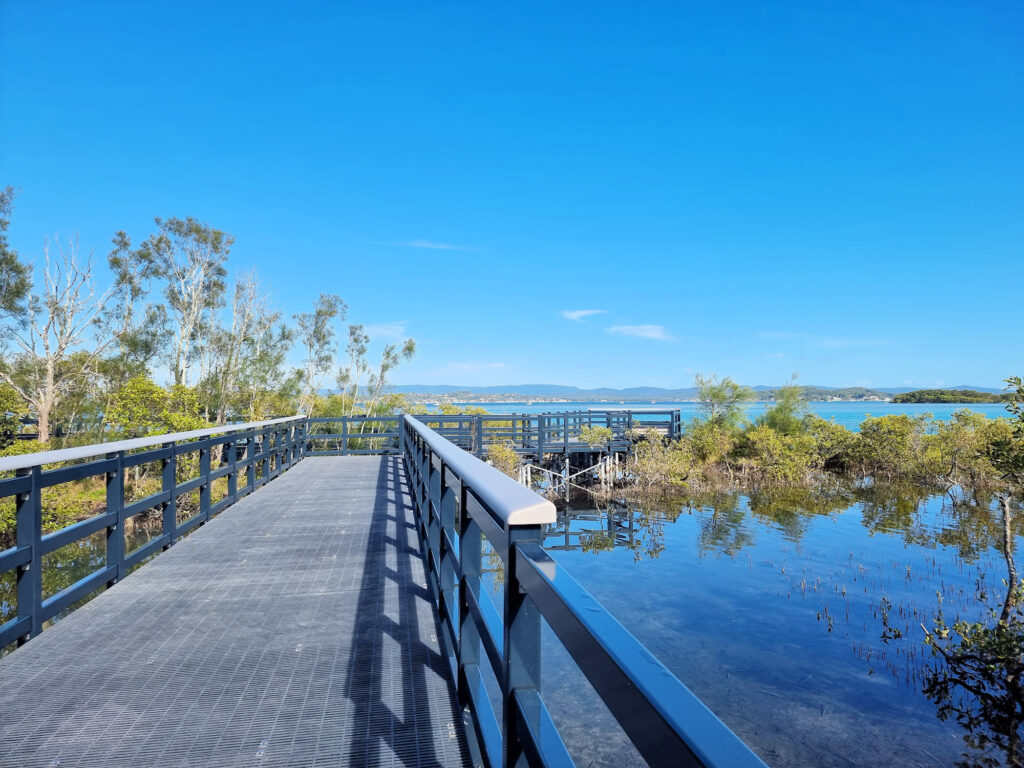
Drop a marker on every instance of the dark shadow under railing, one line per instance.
(459, 502)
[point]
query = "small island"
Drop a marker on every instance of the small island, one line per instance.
(950, 396)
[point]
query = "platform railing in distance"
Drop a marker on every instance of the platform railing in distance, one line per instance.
(247, 455)
(352, 435)
(460, 500)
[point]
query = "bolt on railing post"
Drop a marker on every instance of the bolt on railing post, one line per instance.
(522, 643)
(115, 504)
(169, 483)
(29, 533)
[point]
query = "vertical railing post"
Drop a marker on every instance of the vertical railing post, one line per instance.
(522, 643)
(169, 485)
(233, 463)
(344, 436)
(115, 504)
(479, 437)
(541, 427)
(446, 573)
(29, 533)
(250, 460)
(205, 486)
(265, 456)
(470, 561)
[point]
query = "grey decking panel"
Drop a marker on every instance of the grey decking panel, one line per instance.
(295, 629)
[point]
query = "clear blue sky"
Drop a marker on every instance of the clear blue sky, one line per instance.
(748, 188)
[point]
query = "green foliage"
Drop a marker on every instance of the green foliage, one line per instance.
(789, 411)
(504, 458)
(979, 681)
(659, 466)
(778, 457)
(890, 446)
(596, 435)
(12, 408)
(710, 442)
(721, 400)
(949, 396)
(142, 408)
(834, 444)
(15, 276)
(1006, 452)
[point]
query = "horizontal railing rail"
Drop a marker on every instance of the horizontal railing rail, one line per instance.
(459, 502)
(189, 463)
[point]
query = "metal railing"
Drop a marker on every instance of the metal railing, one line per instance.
(531, 433)
(256, 453)
(459, 501)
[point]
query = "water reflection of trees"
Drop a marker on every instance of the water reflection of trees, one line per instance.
(975, 675)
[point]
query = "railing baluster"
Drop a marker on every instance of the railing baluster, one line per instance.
(522, 643)
(115, 504)
(205, 487)
(29, 533)
(169, 484)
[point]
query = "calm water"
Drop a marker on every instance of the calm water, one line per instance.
(795, 617)
(849, 415)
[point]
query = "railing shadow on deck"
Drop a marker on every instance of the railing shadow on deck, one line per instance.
(394, 566)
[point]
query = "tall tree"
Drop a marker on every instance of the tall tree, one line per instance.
(390, 358)
(316, 334)
(721, 400)
(350, 376)
(15, 276)
(188, 255)
(248, 354)
(60, 340)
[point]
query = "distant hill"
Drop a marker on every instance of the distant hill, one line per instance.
(561, 392)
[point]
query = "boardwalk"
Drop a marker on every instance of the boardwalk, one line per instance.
(295, 629)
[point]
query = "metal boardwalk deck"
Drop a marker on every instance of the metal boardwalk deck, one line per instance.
(295, 629)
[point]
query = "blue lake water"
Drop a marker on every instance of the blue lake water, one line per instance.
(849, 414)
(773, 610)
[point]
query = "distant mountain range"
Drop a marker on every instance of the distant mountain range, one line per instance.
(562, 392)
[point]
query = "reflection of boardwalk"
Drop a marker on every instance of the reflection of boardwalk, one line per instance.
(294, 629)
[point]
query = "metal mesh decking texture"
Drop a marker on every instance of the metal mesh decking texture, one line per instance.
(295, 629)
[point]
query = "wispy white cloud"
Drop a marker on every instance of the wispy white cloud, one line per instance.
(823, 342)
(395, 330)
(435, 246)
(657, 332)
(579, 314)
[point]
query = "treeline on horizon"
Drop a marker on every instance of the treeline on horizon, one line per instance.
(79, 347)
(952, 396)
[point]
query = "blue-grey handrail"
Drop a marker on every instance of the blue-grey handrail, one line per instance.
(24, 461)
(267, 449)
(459, 500)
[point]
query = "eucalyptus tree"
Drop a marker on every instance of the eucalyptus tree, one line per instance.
(316, 335)
(391, 357)
(59, 340)
(350, 376)
(188, 256)
(248, 355)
